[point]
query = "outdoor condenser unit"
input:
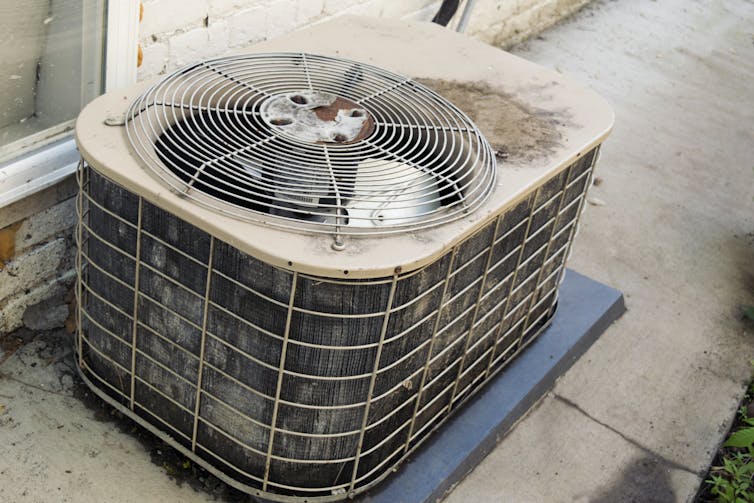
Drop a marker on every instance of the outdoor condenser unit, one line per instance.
(295, 265)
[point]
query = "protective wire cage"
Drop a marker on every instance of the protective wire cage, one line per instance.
(314, 143)
(295, 387)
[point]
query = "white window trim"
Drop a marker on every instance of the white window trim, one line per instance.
(34, 171)
(122, 43)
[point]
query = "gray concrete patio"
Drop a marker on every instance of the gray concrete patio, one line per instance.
(640, 416)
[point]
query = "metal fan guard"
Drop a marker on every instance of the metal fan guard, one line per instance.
(312, 143)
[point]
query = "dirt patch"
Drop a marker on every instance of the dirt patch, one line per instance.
(9, 344)
(12, 342)
(516, 131)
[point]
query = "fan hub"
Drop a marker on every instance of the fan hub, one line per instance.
(317, 117)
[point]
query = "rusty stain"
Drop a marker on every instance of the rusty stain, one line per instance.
(330, 112)
(8, 243)
(317, 117)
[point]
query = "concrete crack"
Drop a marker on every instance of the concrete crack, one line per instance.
(646, 450)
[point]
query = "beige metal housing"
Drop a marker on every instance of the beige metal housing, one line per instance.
(538, 122)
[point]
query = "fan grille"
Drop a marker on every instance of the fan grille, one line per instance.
(314, 143)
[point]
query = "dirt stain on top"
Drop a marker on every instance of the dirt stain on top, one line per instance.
(516, 131)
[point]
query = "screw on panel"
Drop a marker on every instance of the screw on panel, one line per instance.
(338, 244)
(115, 119)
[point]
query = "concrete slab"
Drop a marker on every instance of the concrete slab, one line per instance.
(585, 309)
(672, 228)
(57, 449)
(63, 442)
(566, 469)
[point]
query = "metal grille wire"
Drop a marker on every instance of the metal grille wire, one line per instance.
(157, 311)
(418, 162)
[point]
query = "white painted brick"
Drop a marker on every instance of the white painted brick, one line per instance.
(162, 16)
(218, 36)
(198, 43)
(308, 10)
(338, 6)
(218, 8)
(155, 60)
(46, 224)
(248, 26)
(370, 8)
(281, 17)
(33, 267)
(12, 310)
(393, 9)
(188, 46)
(425, 13)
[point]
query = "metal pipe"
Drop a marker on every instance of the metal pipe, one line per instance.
(465, 16)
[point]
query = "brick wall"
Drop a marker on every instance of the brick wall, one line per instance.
(36, 234)
(177, 32)
(36, 251)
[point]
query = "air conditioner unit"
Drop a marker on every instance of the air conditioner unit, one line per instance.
(294, 266)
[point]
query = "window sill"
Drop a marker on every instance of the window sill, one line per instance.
(37, 170)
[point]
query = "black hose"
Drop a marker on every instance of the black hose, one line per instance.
(446, 12)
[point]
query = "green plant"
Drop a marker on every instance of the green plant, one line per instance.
(733, 481)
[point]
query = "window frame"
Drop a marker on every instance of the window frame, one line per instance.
(32, 171)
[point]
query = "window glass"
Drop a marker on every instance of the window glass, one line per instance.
(51, 65)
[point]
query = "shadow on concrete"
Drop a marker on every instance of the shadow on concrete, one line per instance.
(645, 480)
